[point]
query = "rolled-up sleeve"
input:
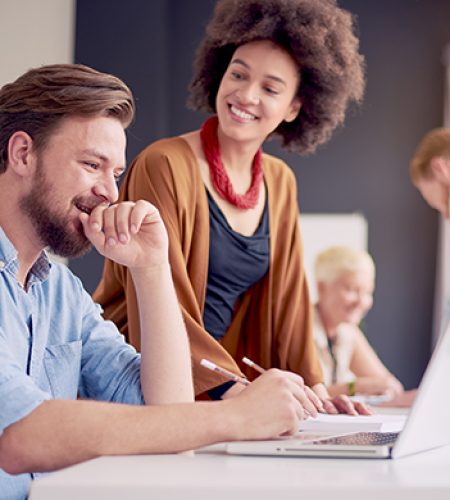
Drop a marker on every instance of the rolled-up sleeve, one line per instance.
(110, 368)
(19, 395)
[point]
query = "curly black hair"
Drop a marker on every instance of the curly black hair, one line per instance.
(319, 36)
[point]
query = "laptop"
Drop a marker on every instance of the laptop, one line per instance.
(427, 425)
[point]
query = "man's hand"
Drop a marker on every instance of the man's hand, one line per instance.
(312, 405)
(131, 234)
(271, 406)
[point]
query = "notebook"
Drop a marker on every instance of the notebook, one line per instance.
(426, 427)
(343, 424)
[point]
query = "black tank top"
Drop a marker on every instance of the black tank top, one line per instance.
(236, 262)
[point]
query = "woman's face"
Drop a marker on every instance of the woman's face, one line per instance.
(348, 298)
(257, 92)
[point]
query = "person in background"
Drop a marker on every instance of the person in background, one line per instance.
(345, 280)
(285, 68)
(62, 150)
(430, 170)
(430, 174)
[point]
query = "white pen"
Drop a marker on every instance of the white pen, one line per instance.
(213, 367)
(253, 365)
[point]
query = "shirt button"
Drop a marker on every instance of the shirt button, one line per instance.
(2, 265)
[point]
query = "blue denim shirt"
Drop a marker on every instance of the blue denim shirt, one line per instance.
(54, 344)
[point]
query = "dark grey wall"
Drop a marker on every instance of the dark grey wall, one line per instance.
(363, 168)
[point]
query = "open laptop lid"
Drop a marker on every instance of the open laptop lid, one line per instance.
(428, 425)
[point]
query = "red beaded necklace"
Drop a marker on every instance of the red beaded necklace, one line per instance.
(219, 176)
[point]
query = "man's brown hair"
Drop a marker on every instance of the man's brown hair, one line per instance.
(39, 99)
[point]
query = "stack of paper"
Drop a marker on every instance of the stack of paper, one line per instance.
(349, 423)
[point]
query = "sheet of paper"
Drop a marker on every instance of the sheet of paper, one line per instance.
(349, 423)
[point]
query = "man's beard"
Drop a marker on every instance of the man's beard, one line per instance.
(52, 227)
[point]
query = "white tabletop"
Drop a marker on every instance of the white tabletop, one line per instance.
(215, 475)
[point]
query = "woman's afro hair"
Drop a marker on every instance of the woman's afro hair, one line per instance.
(316, 33)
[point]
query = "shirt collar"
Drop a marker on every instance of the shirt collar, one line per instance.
(8, 260)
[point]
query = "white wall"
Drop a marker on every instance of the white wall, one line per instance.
(33, 33)
(321, 231)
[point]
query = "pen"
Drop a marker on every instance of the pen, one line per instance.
(253, 365)
(213, 367)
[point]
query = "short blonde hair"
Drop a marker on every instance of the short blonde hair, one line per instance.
(335, 261)
(434, 143)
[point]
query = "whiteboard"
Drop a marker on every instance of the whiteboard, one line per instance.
(320, 231)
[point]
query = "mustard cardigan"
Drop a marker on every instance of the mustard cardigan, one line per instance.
(272, 324)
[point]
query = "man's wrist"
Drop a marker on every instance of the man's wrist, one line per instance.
(156, 269)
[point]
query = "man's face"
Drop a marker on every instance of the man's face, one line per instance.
(435, 186)
(435, 193)
(77, 170)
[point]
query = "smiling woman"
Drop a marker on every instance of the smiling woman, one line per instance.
(265, 67)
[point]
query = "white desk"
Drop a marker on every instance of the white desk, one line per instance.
(216, 476)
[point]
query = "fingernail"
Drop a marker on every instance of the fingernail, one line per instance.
(111, 242)
(123, 238)
(96, 226)
(134, 228)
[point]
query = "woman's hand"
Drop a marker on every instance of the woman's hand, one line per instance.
(340, 403)
(388, 386)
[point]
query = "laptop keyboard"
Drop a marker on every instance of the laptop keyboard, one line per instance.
(362, 439)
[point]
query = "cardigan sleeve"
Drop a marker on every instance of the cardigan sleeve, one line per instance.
(292, 313)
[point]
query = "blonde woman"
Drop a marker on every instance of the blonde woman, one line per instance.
(345, 280)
